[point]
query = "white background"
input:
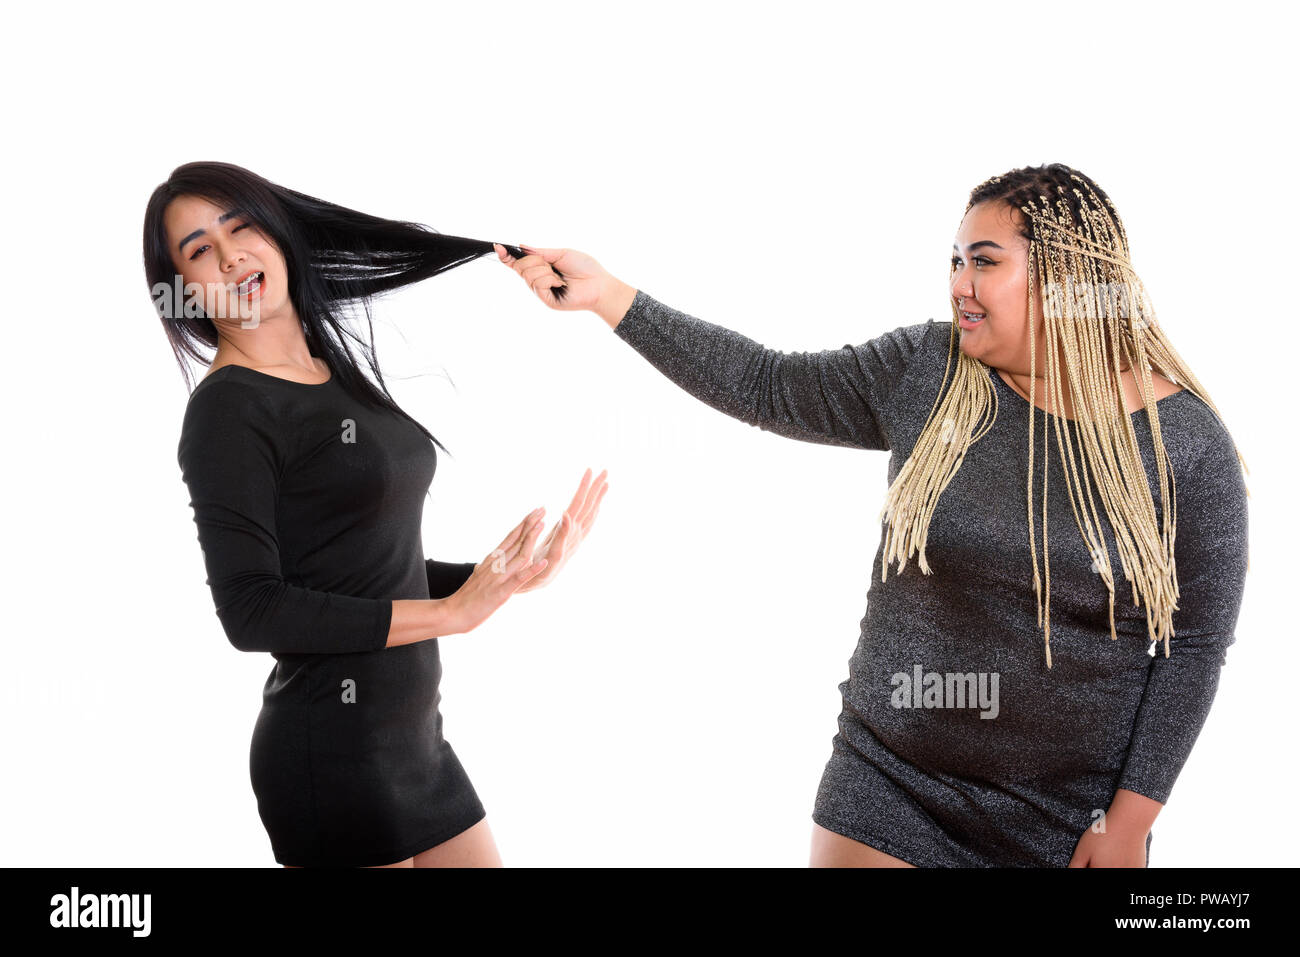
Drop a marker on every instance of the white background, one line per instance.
(794, 172)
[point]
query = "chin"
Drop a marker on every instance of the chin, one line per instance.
(966, 346)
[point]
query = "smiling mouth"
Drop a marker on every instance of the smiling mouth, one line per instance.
(253, 282)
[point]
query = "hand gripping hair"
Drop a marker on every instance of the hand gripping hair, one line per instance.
(1095, 310)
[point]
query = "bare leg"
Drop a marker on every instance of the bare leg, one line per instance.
(409, 862)
(835, 850)
(473, 847)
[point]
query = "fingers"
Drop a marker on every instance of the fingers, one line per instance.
(551, 536)
(540, 276)
(529, 572)
(589, 518)
(580, 495)
(577, 521)
(587, 513)
(516, 551)
(524, 558)
(512, 539)
(596, 510)
(550, 255)
(526, 545)
(532, 257)
(560, 540)
(585, 490)
(509, 258)
(517, 264)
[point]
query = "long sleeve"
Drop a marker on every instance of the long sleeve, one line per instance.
(231, 455)
(835, 397)
(1210, 556)
(445, 578)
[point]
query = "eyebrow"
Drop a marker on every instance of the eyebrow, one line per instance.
(983, 242)
(180, 247)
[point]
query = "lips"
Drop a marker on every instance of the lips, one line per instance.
(250, 281)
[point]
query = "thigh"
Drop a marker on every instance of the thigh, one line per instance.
(835, 850)
(473, 847)
(409, 862)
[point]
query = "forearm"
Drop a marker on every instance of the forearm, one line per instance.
(418, 620)
(829, 397)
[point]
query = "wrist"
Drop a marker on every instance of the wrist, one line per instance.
(1133, 812)
(614, 300)
(445, 617)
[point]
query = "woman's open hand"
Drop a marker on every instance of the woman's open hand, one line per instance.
(567, 534)
(503, 572)
(568, 280)
(1118, 847)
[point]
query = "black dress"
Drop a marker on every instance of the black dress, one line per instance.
(308, 505)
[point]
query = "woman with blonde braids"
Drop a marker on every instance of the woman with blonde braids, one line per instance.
(983, 723)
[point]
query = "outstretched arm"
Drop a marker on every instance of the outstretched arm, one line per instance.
(836, 397)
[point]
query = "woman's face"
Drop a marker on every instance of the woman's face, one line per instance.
(990, 275)
(217, 251)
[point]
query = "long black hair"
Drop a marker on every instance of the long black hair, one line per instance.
(334, 256)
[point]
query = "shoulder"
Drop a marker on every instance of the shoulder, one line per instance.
(1192, 423)
(1162, 386)
(929, 339)
(225, 396)
(937, 332)
(227, 413)
(914, 350)
(898, 347)
(1202, 451)
(919, 334)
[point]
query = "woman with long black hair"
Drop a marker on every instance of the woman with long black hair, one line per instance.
(307, 482)
(965, 739)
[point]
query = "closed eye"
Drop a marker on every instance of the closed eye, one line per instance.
(200, 250)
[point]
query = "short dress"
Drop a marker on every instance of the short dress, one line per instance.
(308, 506)
(956, 745)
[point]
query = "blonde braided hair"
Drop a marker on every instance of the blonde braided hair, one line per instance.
(1094, 306)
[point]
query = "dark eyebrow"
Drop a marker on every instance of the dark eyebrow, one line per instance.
(983, 242)
(180, 247)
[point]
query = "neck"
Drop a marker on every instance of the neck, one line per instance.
(1021, 382)
(274, 341)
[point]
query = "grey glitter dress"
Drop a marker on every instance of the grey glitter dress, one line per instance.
(1018, 786)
